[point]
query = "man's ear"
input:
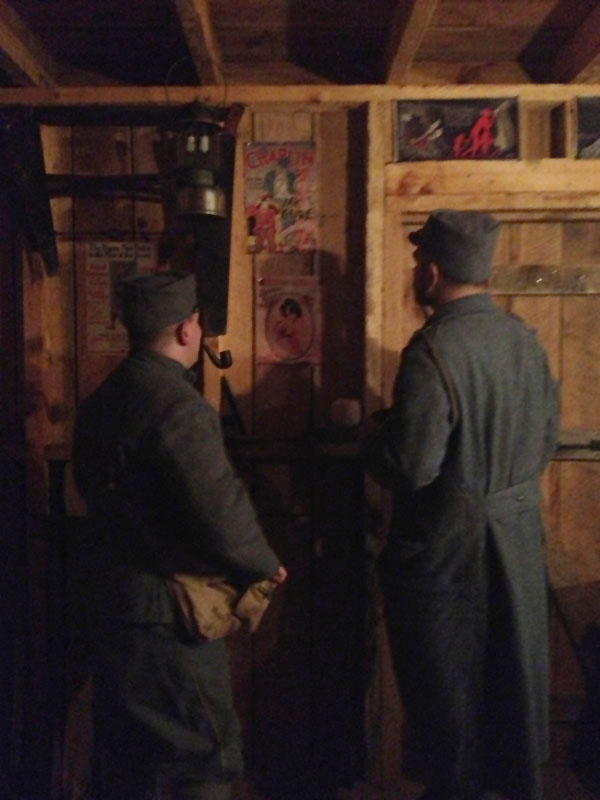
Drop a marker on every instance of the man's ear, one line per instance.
(185, 329)
(435, 276)
(182, 332)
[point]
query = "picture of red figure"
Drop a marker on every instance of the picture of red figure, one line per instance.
(480, 141)
(289, 329)
(265, 224)
(459, 144)
(439, 130)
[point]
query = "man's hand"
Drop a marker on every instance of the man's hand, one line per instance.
(280, 575)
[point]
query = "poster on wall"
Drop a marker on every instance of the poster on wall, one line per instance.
(435, 130)
(288, 320)
(280, 196)
(588, 127)
(106, 263)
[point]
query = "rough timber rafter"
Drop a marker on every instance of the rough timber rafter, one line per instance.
(581, 53)
(21, 54)
(196, 22)
(314, 96)
(411, 21)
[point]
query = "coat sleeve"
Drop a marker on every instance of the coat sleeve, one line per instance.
(190, 454)
(407, 451)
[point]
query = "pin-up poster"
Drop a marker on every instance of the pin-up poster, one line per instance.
(435, 130)
(288, 320)
(280, 189)
(106, 264)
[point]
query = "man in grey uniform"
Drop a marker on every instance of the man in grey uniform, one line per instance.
(472, 426)
(149, 460)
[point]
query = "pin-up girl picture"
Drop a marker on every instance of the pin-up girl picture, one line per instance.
(289, 329)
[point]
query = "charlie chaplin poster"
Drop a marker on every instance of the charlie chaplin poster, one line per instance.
(588, 127)
(280, 184)
(434, 130)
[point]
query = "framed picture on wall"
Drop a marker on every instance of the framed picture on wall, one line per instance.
(588, 127)
(280, 196)
(288, 320)
(436, 130)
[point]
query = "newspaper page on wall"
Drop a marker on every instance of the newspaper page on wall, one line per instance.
(280, 196)
(288, 319)
(106, 263)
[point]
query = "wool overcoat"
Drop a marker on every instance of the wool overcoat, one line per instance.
(162, 697)
(473, 423)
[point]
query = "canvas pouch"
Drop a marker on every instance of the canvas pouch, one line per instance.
(210, 607)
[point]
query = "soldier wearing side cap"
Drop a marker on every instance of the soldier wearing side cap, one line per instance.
(149, 460)
(473, 424)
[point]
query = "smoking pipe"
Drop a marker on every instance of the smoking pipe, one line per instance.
(222, 361)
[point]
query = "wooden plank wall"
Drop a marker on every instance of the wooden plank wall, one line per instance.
(108, 151)
(555, 229)
(277, 678)
(276, 403)
(59, 373)
(305, 392)
(49, 401)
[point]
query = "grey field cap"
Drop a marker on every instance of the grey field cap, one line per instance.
(461, 243)
(151, 302)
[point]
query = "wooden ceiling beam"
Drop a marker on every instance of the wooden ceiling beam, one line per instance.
(316, 96)
(22, 56)
(410, 23)
(581, 53)
(196, 22)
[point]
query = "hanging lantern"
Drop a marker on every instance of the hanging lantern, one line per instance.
(196, 160)
(200, 164)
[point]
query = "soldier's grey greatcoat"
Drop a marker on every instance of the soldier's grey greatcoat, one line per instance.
(164, 699)
(473, 424)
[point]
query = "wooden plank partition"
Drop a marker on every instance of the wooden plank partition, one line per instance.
(550, 210)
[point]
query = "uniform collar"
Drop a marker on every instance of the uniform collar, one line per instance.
(169, 364)
(471, 304)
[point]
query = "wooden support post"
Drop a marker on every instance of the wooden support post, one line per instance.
(410, 24)
(21, 54)
(197, 26)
